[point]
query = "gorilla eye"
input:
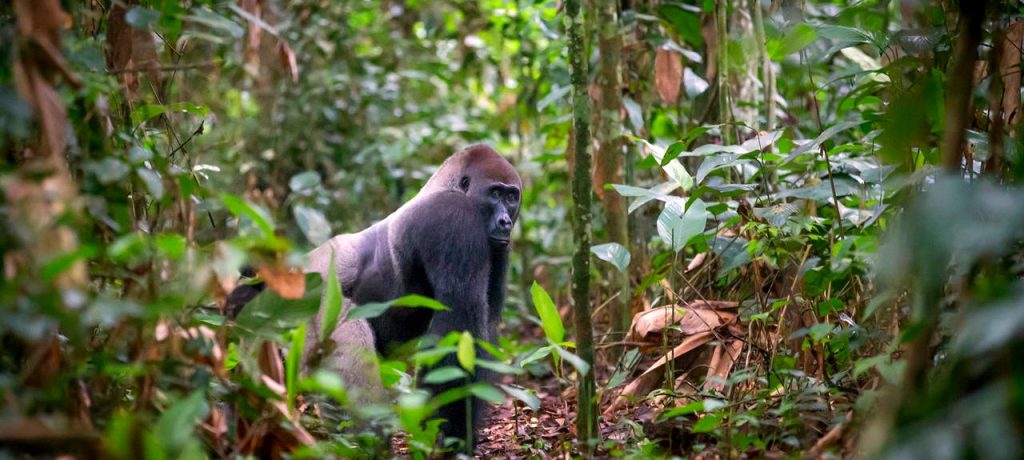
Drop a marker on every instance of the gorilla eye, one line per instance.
(495, 193)
(464, 183)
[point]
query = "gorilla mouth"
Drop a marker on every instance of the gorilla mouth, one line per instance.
(497, 240)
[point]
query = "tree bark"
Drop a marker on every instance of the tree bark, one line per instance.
(586, 411)
(960, 83)
(609, 157)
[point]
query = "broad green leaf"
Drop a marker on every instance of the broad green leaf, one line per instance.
(693, 83)
(578, 363)
(685, 19)
(843, 37)
(707, 423)
(676, 226)
(795, 39)
(255, 213)
(613, 253)
(375, 309)
(550, 320)
(487, 393)
(333, 301)
(678, 173)
(154, 184)
(177, 424)
(689, 408)
(108, 170)
(444, 375)
(466, 353)
(312, 223)
(499, 367)
(537, 355)
(526, 396)
(304, 181)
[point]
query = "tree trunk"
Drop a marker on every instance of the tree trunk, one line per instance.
(586, 411)
(960, 83)
(609, 157)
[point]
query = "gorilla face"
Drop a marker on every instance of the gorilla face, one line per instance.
(502, 202)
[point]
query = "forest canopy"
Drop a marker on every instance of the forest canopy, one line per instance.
(744, 229)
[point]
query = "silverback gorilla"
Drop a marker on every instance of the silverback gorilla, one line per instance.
(451, 243)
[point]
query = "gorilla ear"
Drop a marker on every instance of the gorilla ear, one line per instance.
(464, 184)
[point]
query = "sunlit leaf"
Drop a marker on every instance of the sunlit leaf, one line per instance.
(677, 225)
(466, 353)
(550, 320)
(613, 253)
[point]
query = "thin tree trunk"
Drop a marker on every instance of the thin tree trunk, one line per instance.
(958, 100)
(609, 156)
(586, 410)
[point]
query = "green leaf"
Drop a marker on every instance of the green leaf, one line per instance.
(312, 223)
(444, 375)
(499, 367)
(466, 353)
(679, 174)
(304, 181)
(269, 315)
(582, 367)
(375, 309)
(537, 355)
(843, 37)
(487, 393)
(550, 320)
(140, 18)
(676, 226)
(613, 253)
(177, 424)
(526, 396)
(292, 364)
(333, 300)
(795, 39)
(685, 22)
(256, 214)
(707, 423)
(108, 170)
(690, 408)
(153, 182)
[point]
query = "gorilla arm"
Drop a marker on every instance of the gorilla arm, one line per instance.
(350, 351)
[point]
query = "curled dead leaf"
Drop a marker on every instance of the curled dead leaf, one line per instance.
(668, 75)
(693, 318)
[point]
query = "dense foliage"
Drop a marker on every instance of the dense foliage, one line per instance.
(824, 222)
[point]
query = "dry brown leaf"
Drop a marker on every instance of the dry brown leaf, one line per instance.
(289, 282)
(270, 362)
(695, 317)
(649, 379)
(697, 261)
(722, 360)
(288, 60)
(668, 75)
